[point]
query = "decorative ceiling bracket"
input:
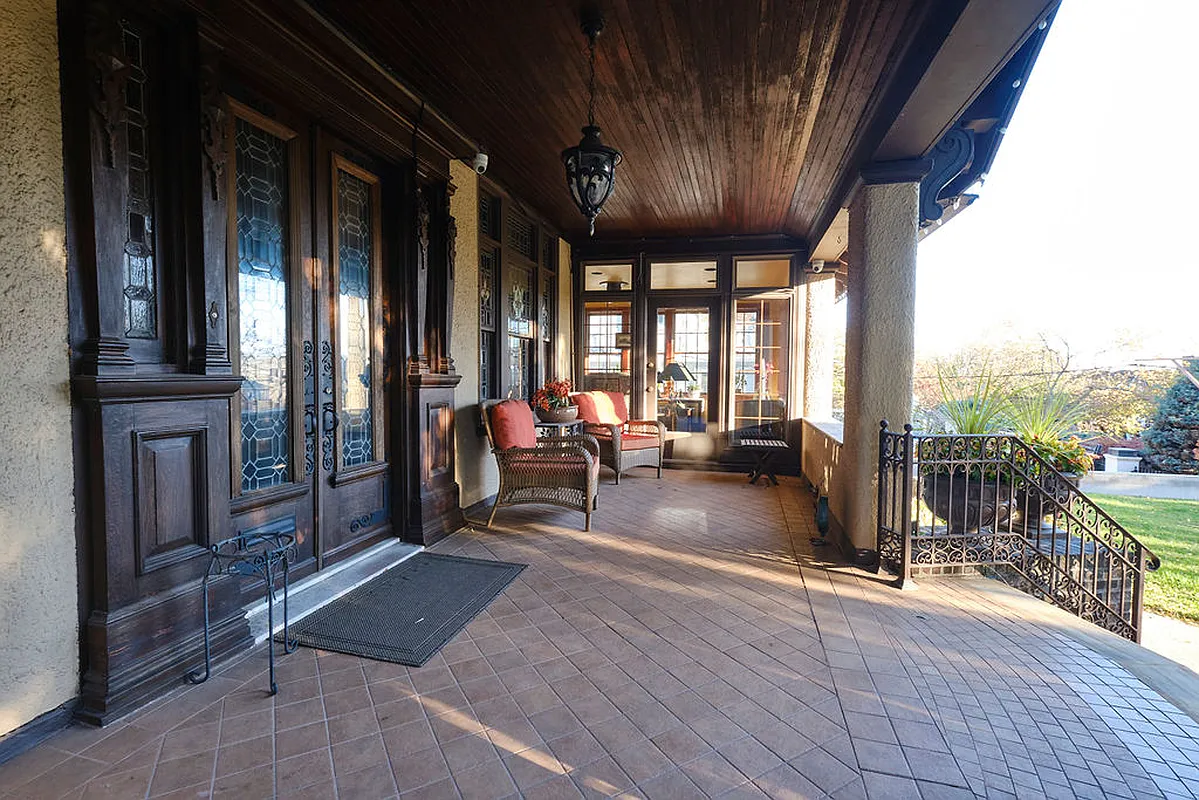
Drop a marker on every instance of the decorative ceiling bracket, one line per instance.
(952, 155)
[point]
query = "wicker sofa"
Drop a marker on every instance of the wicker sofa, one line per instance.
(623, 443)
(561, 472)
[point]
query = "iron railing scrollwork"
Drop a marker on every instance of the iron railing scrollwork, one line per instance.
(950, 504)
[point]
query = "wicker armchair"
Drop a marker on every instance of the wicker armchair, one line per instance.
(623, 443)
(561, 472)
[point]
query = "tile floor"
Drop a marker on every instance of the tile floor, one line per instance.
(690, 645)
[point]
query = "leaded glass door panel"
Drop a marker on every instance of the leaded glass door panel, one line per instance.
(354, 472)
(272, 455)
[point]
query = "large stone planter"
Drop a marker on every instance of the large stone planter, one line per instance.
(564, 414)
(1032, 507)
(966, 504)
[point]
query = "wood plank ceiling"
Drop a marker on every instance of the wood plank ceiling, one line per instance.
(733, 117)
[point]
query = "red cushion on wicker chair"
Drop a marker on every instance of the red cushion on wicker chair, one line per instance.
(602, 408)
(638, 441)
(512, 425)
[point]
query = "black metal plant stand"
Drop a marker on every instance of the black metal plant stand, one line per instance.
(262, 555)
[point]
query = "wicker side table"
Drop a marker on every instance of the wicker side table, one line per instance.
(557, 430)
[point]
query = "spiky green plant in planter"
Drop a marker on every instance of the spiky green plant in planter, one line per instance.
(1042, 415)
(981, 409)
(966, 484)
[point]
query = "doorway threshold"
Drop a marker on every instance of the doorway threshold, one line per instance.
(318, 589)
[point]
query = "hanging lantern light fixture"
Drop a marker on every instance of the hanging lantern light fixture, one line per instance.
(591, 165)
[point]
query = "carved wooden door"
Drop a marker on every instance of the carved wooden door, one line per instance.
(351, 410)
(306, 299)
(269, 262)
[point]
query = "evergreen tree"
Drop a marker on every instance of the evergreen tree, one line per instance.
(1170, 442)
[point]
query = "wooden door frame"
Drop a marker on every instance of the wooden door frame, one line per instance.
(714, 303)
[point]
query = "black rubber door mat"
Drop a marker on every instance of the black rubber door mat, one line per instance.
(409, 612)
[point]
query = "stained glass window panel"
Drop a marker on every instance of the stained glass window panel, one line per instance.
(354, 258)
(521, 310)
(140, 285)
(262, 205)
(487, 384)
(520, 367)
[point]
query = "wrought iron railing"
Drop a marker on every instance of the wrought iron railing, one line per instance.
(950, 504)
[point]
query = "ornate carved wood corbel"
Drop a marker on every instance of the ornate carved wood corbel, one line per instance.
(420, 335)
(109, 74)
(952, 154)
(213, 127)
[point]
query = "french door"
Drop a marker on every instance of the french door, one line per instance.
(683, 370)
(307, 299)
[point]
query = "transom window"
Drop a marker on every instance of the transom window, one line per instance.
(682, 275)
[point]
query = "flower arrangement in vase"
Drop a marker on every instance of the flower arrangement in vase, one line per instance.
(552, 402)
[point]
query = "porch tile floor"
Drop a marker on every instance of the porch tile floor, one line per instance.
(691, 645)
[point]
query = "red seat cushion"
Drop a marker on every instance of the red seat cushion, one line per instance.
(602, 408)
(638, 441)
(512, 425)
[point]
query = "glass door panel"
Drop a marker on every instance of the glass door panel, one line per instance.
(355, 265)
(268, 331)
(682, 384)
(521, 309)
(262, 306)
(608, 344)
(761, 337)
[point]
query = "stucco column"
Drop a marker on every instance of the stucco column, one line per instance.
(821, 291)
(880, 332)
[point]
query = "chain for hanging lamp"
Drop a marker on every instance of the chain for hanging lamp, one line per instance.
(591, 165)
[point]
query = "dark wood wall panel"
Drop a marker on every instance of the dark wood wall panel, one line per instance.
(439, 421)
(155, 280)
(171, 493)
(159, 498)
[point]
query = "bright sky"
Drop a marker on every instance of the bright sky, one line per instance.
(1086, 228)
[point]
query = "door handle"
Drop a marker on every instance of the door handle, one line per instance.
(330, 421)
(309, 421)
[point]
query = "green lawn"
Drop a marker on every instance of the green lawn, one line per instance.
(1170, 528)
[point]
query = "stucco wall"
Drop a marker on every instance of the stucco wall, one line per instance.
(820, 461)
(39, 655)
(477, 476)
